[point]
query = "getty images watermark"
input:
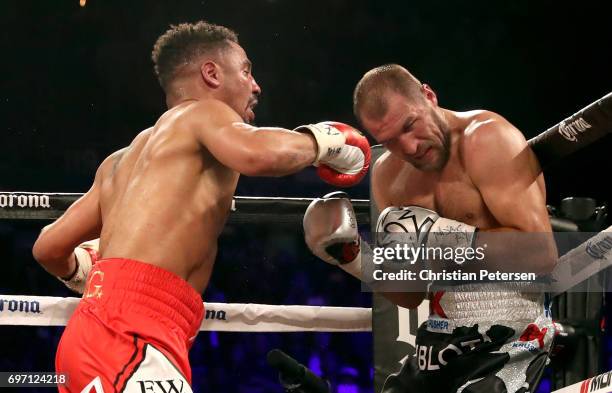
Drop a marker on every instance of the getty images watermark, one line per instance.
(403, 254)
(534, 261)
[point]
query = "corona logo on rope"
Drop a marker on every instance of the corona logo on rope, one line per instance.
(570, 130)
(24, 200)
(18, 305)
(220, 315)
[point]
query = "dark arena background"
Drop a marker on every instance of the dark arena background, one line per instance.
(78, 84)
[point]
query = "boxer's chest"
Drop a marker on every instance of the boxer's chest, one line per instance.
(452, 194)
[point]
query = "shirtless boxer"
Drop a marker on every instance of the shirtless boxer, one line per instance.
(469, 170)
(158, 207)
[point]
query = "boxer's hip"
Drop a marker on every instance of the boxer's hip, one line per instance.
(128, 291)
(134, 316)
(496, 358)
(479, 338)
(486, 304)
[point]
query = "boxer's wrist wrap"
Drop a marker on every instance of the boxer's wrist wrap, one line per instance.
(450, 233)
(329, 140)
(85, 256)
(362, 267)
(71, 275)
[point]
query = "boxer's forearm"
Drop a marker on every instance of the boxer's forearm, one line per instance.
(262, 151)
(406, 294)
(58, 266)
(511, 250)
(58, 262)
(280, 152)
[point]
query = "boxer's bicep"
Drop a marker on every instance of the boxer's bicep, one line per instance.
(237, 145)
(504, 170)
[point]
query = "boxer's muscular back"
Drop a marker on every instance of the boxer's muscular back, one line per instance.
(164, 200)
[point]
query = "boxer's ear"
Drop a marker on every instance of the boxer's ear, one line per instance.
(211, 74)
(429, 94)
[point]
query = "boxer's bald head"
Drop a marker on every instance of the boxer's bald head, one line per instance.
(370, 96)
(403, 115)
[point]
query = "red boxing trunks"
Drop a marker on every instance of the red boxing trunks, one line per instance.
(131, 332)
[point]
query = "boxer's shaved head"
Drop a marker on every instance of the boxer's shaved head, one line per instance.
(369, 98)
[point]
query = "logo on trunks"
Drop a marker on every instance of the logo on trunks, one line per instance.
(425, 353)
(162, 386)
(600, 249)
(570, 130)
(23, 306)
(94, 290)
(438, 325)
(24, 200)
(531, 333)
(219, 315)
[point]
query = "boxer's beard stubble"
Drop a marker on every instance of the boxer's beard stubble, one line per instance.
(442, 149)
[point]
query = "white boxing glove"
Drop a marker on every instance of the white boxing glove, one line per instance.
(85, 255)
(343, 153)
(421, 227)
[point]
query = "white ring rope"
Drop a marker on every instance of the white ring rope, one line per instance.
(222, 317)
(583, 262)
(601, 383)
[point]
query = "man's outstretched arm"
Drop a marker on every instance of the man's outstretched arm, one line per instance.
(271, 151)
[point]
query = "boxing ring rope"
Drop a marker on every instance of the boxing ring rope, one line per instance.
(25, 205)
(574, 267)
(19, 205)
(220, 317)
(601, 383)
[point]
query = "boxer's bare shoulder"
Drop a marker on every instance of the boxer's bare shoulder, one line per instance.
(381, 170)
(197, 116)
(485, 128)
(489, 140)
(390, 176)
(111, 164)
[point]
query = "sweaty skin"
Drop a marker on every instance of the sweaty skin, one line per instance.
(492, 180)
(165, 199)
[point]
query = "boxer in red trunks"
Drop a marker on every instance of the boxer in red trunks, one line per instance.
(158, 207)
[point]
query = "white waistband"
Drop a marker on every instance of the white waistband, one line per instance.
(483, 303)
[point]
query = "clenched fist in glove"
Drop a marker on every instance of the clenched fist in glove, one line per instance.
(343, 156)
(330, 230)
(85, 255)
